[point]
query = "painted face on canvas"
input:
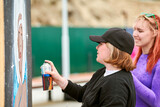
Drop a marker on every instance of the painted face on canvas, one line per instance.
(103, 53)
(143, 34)
(20, 44)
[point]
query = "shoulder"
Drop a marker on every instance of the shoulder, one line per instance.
(123, 74)
(158, 62)
(120, 79)
(157, 66)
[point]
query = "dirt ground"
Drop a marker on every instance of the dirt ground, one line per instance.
(91, 13)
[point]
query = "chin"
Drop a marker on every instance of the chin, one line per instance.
(99, 61)
(138, 45)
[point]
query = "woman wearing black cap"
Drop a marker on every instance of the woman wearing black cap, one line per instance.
(112, 85)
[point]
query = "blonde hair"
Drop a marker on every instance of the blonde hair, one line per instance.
(120, 58)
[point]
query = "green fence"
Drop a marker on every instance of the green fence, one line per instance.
(46, 44)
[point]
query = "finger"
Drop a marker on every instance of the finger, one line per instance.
(48, 72)
(50, 62)
(52, 65)
(51, 73)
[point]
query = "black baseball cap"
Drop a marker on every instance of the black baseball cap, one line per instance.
(117, 37)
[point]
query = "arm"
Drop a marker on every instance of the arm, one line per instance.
(74, 90)
(77, 91)
(150, 96)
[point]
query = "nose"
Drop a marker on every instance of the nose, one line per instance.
(97, 47)
(134, 33)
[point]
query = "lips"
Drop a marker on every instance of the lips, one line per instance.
(136, 40)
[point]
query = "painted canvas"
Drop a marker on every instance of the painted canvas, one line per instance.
(19, 55)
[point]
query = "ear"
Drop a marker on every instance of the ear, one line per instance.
(155, 32)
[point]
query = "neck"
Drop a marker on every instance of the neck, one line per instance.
(111, 67)
(145, 49)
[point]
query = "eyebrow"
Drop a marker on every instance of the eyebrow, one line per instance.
(137, 28)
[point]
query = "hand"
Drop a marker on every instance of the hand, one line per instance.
(54, 73)
(62, 82)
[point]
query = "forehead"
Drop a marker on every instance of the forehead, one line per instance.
(141, 24)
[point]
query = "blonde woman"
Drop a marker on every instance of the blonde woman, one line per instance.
(112, 85)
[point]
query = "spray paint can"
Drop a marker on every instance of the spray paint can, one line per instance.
(47, 79)
(45, 67)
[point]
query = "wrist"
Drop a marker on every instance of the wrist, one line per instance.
(62, 82)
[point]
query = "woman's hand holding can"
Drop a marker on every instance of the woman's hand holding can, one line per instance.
(61, 81)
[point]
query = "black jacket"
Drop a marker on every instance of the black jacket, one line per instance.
(115, 90)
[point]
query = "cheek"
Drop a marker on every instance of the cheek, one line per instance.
(106, 54)
(146, 38)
